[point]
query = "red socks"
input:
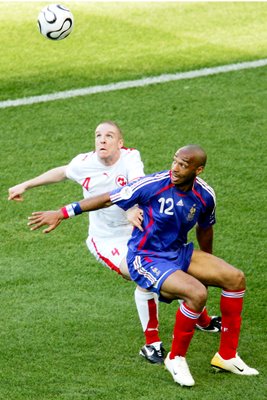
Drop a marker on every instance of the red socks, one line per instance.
(183, 330)
(204, 318)
(186, 319)
(231, 308)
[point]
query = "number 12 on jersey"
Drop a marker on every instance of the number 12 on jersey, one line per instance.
(166, 205)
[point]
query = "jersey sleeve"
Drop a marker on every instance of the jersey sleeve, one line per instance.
(139, 191)
(135, 165)
(207, 217)
(73, 170)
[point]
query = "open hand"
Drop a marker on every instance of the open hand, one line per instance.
(41, 218)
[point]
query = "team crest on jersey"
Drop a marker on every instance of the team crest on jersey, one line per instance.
(156, 271)
(121, 180)
(191, 214)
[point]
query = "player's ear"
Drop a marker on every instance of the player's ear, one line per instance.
(120, 143)
(199, 169)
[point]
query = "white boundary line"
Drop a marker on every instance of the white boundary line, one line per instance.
(133, 84)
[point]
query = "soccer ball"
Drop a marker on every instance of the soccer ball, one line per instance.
(55, 21)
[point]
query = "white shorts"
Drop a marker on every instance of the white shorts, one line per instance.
(110, 252)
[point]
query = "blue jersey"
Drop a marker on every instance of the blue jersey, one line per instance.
(169, 213)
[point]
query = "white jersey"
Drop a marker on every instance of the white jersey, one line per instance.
(97, 178)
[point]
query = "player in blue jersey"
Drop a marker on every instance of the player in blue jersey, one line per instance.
(161, 260)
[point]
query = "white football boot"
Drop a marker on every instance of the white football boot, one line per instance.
(235, 365)
(179, 370)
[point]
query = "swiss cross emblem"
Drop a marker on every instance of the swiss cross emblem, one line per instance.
(121, 180)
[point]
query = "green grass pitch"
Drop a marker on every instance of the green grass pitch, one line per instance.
(68, 327)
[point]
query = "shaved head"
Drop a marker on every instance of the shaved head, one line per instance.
(188, 162)
(194, 153)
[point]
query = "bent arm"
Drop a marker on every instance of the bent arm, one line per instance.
(205, 238)
(54, 218)
(52, 176)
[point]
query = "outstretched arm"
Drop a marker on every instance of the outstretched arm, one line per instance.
(52, 176)
(54, 218)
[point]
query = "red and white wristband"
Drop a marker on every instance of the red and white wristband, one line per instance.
(71, 210)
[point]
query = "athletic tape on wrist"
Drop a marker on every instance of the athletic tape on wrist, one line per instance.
(71, 210)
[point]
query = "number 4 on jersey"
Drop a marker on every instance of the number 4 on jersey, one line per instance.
(115, 251)
(85, 183)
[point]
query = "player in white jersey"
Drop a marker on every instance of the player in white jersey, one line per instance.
(109, 229)
(112, 166)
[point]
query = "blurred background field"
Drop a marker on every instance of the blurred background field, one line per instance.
(69, 329)
(117, 41)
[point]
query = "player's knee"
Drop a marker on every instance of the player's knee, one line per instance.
(201, 296)
(237, 280)
(198, 298)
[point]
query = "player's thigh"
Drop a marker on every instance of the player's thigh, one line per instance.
(214, 271)
(183, 286)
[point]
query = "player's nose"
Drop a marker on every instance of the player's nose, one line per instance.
(175, 167)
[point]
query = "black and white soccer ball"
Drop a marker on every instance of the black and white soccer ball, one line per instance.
(55, 21)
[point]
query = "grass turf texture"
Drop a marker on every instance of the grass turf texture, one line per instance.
(69, 329)
(117, 41)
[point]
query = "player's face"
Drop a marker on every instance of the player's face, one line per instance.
(108, 143)
(184, 169)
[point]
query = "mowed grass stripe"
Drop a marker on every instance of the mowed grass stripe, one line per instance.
(133, 84)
